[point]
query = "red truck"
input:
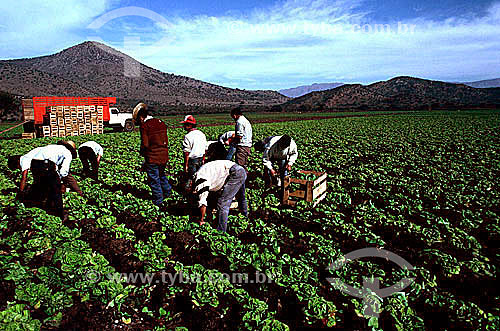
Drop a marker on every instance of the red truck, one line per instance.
(35, 110)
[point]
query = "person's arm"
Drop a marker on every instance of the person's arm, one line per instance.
(293, 154)
(186, 161)
(203, 204)
(186, 148)
(238, 133)
(144, 141)
(70, 181)
(98, 159)
(203, 212)
(24, 179)
(267, 161)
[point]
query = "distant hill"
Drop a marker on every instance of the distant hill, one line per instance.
(485, 83)
(303, 90)
(10, 107)
(399, 93)
(93, 68)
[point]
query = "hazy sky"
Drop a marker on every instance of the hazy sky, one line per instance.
(271, 45)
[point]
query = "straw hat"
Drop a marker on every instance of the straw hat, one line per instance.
(137, 109)
(69, 145)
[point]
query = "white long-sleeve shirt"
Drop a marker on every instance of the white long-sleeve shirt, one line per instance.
(226, 136)
(243, 129)
(271, 152)
(195, 143)
(25, 160)
(58, 154)
(98, 150)
(211, 177)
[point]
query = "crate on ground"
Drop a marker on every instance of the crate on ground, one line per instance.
(309, 190)
(29, 135)
(46, 131)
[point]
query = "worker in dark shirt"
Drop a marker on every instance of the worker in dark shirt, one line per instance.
(154, 149)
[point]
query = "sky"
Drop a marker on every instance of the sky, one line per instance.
(259, 44)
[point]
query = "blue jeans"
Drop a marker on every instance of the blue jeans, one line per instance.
(230, 152)
(194, 165)
(234, 187)
(158, 182)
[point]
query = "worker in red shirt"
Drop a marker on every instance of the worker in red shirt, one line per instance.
(154, 149)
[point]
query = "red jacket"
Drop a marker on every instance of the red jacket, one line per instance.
(154, 141)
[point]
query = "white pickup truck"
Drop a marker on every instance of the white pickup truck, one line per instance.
(120, 121)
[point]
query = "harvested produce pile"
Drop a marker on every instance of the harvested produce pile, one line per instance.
(63, 121)
(423, 187)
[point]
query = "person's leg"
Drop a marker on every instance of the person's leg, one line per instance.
(165, 185)
(283, 174)
(53, 182)
(242, 154)
(154, 183)
(38, 189)
(230, 152)
(84, 157)
(236, 179)
(95, 166)
(193, 166)
(268, 178)
(241, 195)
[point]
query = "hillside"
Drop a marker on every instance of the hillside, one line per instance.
(93, 68)
(305, 89)
(485, 83)
(399, 93)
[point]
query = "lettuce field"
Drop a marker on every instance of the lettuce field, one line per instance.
(424, 186)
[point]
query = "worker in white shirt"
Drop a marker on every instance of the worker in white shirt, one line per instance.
(194, 147)
(243, 137)
(225, 176)
(228, 140)
(277, 149)
(90, 154)
(49, 165)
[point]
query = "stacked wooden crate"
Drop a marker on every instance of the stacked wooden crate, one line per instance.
(67, 121)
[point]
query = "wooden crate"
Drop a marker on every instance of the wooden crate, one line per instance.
(29, 135)
(310, 190)
(46, 131)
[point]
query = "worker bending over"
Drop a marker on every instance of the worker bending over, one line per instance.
(225, 176)
(227, 139)
(90, 154)
(50, 167)
(281, 150)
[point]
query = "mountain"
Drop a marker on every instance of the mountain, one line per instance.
(485, 83)
(92, 68)
(10, 107)
(303, 90)
(400, 93)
